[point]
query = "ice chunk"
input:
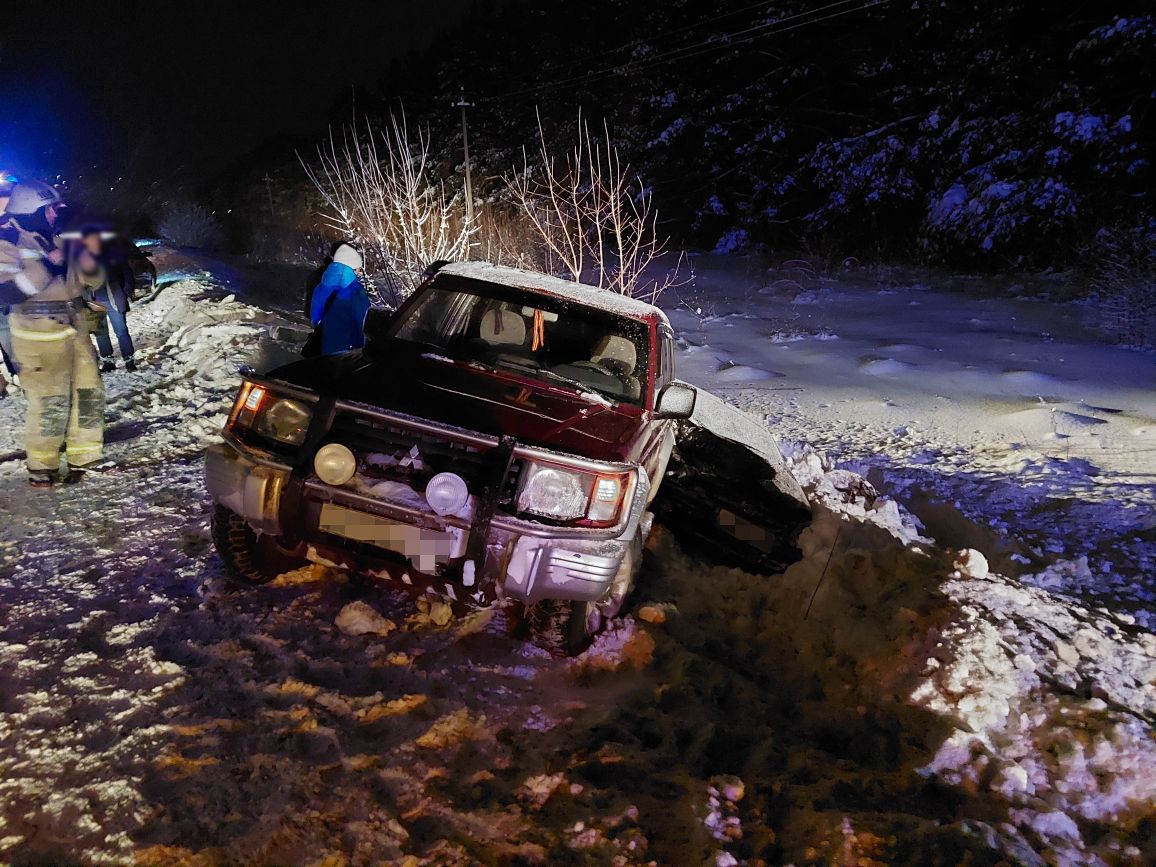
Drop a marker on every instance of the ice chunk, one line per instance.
(357, 618)
(970, 563)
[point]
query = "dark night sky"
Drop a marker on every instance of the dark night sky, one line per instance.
(179, 89)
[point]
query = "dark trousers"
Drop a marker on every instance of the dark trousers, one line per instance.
(104, 343)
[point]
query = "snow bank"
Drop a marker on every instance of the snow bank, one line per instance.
(1041, 706)
(1052, 704)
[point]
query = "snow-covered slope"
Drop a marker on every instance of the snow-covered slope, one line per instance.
(1002, 423)
(896, 696)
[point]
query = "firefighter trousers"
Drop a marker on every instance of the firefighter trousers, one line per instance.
(60, 378)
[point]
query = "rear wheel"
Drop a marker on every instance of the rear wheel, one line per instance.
(566, 628)
(250, 557)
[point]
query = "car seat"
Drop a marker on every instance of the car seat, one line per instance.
(619, 355)
(502, 327)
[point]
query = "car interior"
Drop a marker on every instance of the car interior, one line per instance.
(579, 345)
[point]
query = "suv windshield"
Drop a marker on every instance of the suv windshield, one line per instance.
(535, 336)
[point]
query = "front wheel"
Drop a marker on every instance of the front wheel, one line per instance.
(567, 628)
(249, 556)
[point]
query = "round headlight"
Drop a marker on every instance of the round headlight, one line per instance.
(334, 464)
(447, 493)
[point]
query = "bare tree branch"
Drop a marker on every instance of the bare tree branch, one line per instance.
(379, 192)
(594, 220)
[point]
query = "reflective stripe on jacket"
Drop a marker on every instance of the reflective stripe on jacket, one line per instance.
(24, 259)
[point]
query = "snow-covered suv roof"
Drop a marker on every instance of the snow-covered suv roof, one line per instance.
(579, 293)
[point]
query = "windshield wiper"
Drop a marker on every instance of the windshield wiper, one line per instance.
(585, 389)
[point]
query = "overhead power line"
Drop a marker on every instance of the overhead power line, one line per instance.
(657, 37)
(709, 46)
(727, 40)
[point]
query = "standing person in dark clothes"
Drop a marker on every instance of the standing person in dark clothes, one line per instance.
(109, 281)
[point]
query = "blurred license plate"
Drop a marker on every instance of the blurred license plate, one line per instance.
(424, 548)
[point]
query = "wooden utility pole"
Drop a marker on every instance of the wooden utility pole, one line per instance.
(269, 191)
(463, 105)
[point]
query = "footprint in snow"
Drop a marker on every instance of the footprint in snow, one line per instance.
(731, 372)
(884, 366)
(1075, 419)
(906, 347)
(1031, 382)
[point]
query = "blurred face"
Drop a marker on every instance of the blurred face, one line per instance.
(92, 244)
(52, 213)
(87, 262)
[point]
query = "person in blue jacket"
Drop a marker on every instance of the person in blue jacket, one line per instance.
(339, 303)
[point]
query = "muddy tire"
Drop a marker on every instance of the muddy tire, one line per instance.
(566, 628)
(562, 627)
(250, 558)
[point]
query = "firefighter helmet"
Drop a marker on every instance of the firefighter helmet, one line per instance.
(28, 197)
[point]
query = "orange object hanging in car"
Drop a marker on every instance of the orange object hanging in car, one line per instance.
(539, 331)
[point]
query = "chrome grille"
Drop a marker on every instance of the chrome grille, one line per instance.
(414, 456)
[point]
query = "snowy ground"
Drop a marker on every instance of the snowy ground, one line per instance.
(890, 699)
(1002, 423)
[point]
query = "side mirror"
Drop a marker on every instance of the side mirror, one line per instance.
(676, 401)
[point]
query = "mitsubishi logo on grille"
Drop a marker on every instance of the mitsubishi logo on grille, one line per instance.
(412, 459)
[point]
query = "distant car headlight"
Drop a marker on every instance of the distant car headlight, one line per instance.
(551, 491)
(334, 464)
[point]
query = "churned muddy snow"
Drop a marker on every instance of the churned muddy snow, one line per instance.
(930, 683)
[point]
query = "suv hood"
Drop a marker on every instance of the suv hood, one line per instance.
(475, 398)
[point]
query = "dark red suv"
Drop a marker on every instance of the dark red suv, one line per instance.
(500, 438)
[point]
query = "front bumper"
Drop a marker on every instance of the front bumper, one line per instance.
(523, 560)
(248, 485)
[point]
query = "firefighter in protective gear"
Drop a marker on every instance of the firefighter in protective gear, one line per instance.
(50, 324)
(7, 359)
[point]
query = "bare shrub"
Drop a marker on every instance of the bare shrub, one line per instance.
(188, 224)
(591, 217)
(1128, 309)
(379, 190)
(504, 236)
(1123, 277)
